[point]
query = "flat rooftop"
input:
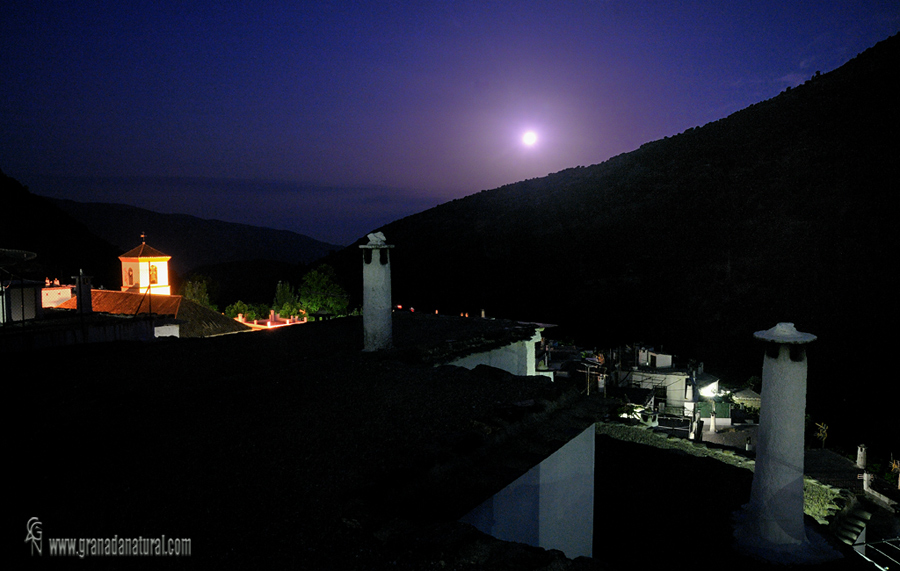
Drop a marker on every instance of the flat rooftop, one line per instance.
(294, 449)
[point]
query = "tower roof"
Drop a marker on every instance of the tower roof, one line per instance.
(144, 251)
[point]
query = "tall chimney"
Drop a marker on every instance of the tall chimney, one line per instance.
(861, 457)
(83, 301)
(774, 516)
(377, 324)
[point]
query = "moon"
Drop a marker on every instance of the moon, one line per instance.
(529, 138)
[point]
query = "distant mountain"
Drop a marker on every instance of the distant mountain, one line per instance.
(784, 211)
(241, 261)
(62, 244)
(194, 242)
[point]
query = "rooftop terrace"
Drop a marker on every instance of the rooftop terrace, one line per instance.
(293, 448)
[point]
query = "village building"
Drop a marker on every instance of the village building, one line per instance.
(142, 310)
(173, 315)
(514, 351)
(145, 292)
(20, 300)
(53, 293)
(676, 390)
(517, 355)
(441, 438)
(145, 269)
(747, 398)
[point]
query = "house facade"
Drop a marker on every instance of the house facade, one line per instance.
(677, 390)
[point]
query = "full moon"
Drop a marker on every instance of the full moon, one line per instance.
(529, 138)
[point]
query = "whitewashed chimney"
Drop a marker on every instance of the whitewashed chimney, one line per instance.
(377, 318)
(861, 457)
(776, 496)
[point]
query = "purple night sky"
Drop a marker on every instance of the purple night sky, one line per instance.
(329, 118)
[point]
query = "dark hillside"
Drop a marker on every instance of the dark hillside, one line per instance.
(63, 245)
(194, 242)
(784, 211)
(243, 261)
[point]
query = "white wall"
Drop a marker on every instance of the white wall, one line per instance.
(551, 506)
(141, 273)
(16, 300)
(675, 383)
(663, 360)
(168, 330)
(54, 296)
(517, 358)
(646, 358)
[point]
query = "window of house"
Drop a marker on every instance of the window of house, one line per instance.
(153, 274)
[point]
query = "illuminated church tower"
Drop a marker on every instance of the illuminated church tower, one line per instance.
(145, 268)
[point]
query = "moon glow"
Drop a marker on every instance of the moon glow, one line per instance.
(529, 138)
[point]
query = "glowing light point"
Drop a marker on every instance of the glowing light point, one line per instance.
(529, 138)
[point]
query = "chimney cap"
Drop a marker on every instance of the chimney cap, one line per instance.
(376, 240)
(785, 333)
